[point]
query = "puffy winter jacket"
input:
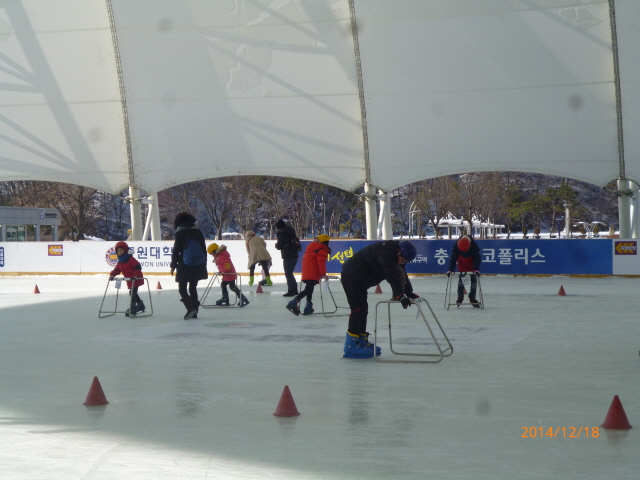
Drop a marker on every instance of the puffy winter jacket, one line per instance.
(129, 267)
(377, 262)
(314, 261)
(224, 264)
(466, 261)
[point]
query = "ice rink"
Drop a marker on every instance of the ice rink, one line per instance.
(195, 399)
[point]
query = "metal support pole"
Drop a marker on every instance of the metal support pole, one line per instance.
(624, 207)
(370, 210)
(136, 214)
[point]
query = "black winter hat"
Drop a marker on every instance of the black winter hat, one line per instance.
(280, 224)
(184, 219)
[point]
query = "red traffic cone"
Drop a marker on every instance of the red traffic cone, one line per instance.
(36, 289)
(158, 287)
(561, 292)
(96, 394)
(286, 406)
(616, 418)
(259, 289)
(378, 289)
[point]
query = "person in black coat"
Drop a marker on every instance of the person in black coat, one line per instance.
(367, 268)
(187, 276)
(289, 247)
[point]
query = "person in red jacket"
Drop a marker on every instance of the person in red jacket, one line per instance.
(222, 259)
(129, 267)
(466, 255)
(314, 267)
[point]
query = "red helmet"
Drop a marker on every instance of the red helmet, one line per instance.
(464, 244)
(123, 245)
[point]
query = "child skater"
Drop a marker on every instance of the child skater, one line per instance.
(222, 259)
(314, 267)
(465, 254)
(129, 267)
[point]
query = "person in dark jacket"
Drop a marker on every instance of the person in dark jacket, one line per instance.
(367, 268)
(466, 255)
(130, 268)
(289, 246)
(314, 267)
(187, 276)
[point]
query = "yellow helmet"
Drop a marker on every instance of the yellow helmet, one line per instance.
(323, 238)
(212, 248)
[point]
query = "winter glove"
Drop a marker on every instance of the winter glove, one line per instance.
(476, 272)
(325, 278)
(111, 278)
(404, 301)
(412, 296)
(449, 273)
(172, 270)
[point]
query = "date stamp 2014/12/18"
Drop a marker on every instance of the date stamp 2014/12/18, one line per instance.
(561, 432)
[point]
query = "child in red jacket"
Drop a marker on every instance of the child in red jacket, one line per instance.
(129, 267)
(222, 259)
(314, 267)
(466, 256)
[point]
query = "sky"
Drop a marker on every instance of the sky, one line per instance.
(195, 399)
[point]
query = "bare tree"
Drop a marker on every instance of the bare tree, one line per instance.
(219, 197)
(432, 198)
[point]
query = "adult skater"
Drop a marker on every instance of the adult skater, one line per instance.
(258, 255)
(189, 258)
(365, 269)
(289, 246)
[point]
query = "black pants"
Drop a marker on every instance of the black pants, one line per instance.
(135, 298)
(309, 285)
(192, 293)
(289, 265)
(474, 285)
(356, 293)
(264, 264)
(232, 287)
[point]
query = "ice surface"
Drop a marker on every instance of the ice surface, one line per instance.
(195, 399)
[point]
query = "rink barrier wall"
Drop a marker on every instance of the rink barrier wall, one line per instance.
(596, 257)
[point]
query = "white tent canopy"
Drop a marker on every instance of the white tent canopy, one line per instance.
(245, 87)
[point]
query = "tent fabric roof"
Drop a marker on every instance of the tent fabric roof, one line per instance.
(270, 87)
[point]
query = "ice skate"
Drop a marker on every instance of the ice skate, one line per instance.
(243, 301)
(223, 302)
(293, 307)
(474, 302)
(354, 349)
(364, 341)
(459, 301)
(308, 309)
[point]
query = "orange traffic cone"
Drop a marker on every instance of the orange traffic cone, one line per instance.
(96, 395)
(158, 287)
(259, 289)
(378, 289)
(561, 292)
(616, 418)
(286, 406)
(36, 290)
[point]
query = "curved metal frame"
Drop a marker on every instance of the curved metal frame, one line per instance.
(217, 276)
(449, 291)
(446, 352)
(335, 305)
(108, 313)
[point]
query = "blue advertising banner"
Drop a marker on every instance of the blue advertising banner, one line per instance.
(508, 257)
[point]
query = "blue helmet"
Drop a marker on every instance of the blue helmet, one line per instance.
(408, 250)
